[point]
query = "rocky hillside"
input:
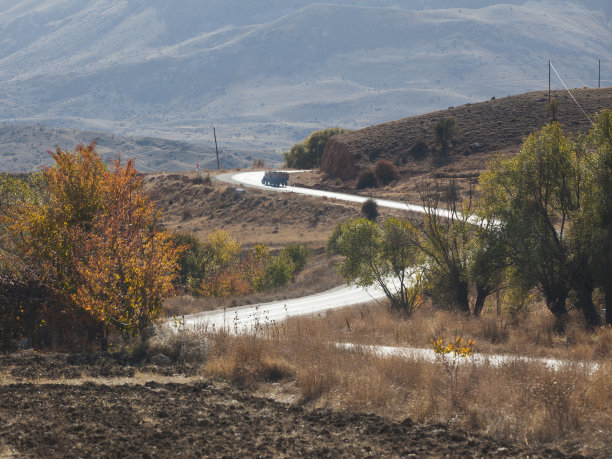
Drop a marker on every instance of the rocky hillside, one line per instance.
(484, 129)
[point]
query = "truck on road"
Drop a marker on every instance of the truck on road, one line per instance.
(275, 178)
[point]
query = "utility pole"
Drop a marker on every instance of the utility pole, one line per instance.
(599, 79)
(549, 81)
(216, 148)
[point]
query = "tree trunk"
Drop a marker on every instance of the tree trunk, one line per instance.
(463, 298)
(481, 295)
(586, 305)
(558, 307)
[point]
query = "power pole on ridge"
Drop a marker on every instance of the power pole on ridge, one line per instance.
(216, 148)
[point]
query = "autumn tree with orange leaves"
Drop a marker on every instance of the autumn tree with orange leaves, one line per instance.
(96, 242)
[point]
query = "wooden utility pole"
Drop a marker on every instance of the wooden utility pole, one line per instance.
(599, 79)
(216, 148)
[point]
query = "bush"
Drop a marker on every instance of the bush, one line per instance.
(366, 179)
(279, 272)
(369, 210)
(199, 179)
(298, 254)
(386, 171)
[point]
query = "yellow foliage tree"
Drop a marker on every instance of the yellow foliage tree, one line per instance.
(96, 241)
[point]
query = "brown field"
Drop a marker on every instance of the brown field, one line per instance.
(291, 391)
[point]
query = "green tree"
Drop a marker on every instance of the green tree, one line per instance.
(538, 198)
(298, 254)
(444, 130)
(445, 244)
(599, 207)
(386, 257)
(462, 253)
(307, 154)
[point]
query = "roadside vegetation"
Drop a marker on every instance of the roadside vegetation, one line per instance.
(220, 268)
(567, 407)
(541, 226)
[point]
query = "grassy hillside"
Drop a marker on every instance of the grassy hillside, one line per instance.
(486, 128)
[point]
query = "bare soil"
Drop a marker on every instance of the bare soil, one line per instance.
(143, 417)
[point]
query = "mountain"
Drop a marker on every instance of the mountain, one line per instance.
(266, 73)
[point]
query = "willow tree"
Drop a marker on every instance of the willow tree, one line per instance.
(538, 198)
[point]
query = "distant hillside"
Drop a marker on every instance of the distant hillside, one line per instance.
(485, 128)
(266, 73)
(23, 149)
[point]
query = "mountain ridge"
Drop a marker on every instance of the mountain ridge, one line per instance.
(268, 73)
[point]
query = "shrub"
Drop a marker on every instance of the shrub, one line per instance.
(419, 150)
(298, 254)
(279, 272)
(369, 210)
(386, 171)
(199, 179)
(366, 179)
(444, 131)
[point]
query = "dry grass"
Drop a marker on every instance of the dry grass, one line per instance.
(180, 345)
(531, 336)
(568, 408)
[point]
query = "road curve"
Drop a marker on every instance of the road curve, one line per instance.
(247, 319)
(253, 179)
(250, 319)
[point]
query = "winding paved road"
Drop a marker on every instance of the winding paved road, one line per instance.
(249, 319)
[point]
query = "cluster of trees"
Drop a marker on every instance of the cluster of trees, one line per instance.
(307, 154)
(220, 268)
(543, 221)
(81, 252)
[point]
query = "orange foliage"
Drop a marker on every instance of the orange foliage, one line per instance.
(96, 241)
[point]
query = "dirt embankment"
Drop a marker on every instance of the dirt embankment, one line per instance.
(486, 128)
(249, 215)
(143, 417)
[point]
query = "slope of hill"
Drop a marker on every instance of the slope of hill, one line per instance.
(23, 149)
(268, 72)
(484, 129)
